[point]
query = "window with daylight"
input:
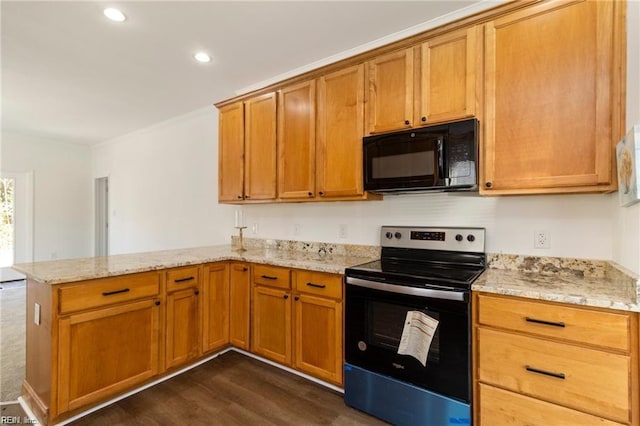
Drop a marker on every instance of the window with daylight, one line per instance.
(7, 209)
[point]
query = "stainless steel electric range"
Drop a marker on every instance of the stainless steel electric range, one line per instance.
(407, 326)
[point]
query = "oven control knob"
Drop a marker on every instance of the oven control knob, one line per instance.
(459, 237)
(398, 235)
(389, 235)
(471, 238)
(362, 346)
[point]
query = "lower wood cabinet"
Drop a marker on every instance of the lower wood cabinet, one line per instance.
(298, 321)
(215, 306)
(183, 330)
(271, 323)
(239, 305)
(135, 328)
(541, 363)
(105, 351)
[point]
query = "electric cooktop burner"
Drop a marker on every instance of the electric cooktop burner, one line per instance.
(427, 257)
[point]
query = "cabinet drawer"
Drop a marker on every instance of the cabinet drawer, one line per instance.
(598, 328)
(180, 278)
(588, 380)
(500, 407)
(319, 283)
(273, 276)
(107, 291)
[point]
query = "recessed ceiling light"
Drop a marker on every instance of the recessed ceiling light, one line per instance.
(202, 57)
(114, 14)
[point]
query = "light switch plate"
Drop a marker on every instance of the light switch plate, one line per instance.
(36, 314)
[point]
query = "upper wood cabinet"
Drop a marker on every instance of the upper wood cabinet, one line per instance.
(231, 153)
(260, 148)
(247, 150)
(433, 82)
(450, 66)
(297, 141)
(390, 95)
(551, 98)
(340, 127)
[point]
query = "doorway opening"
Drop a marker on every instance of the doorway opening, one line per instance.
(102, 216)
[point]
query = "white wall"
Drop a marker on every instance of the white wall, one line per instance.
(579, 225)
(62, 195)
(627, 219)
(163, 186)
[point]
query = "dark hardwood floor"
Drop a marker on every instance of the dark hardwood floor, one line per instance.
(232, 390)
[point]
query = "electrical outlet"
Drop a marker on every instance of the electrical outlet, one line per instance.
(296, 229)
(254, 228)
(342, 231)
(541, 240)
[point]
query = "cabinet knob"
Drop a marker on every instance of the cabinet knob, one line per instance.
(423, 119)
(296, 298)
(407, 122)
(157, 303)
(239, 197)
(245, 269)
(321, 193)
(488, 184)
(286, 296)
(310, 194)
(247, 197)
(196, 292)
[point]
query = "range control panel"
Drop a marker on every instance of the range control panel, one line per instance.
(452, 239)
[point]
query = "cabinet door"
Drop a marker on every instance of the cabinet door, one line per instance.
(260, 148)
(390, 96)
(240, 290)
(231, 153)
(448, 77)
(339, 133)
(318, 337)
(101, 354)
(183, 327)
(297, 141)
(271, 324)
(548, 98)
(215, 307)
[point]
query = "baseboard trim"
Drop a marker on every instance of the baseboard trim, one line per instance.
(141, 388)
(333, 387)
(290, 370)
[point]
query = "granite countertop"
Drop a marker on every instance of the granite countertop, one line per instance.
(580, 282)
(71, 270)
(583, 282)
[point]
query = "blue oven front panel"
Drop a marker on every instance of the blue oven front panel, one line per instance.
(401, 403)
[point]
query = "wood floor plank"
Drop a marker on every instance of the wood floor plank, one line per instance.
(231, 390)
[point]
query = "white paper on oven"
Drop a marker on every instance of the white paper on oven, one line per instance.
(417, 335)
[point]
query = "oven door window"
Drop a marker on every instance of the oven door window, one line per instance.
(374, 321)
(392, 163)
(386, 324)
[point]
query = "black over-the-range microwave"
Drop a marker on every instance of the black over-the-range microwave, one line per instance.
(442, 157)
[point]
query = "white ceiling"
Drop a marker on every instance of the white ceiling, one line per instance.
(70, 74)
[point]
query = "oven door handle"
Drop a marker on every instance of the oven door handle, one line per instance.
(412, 291)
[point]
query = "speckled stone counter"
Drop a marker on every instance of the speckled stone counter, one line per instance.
(71, 270)
(575, 281)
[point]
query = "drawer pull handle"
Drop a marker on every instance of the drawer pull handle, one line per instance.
(111, 293)
(537, 321)
(181, 280)
(269, 277)
(546, 373)
(316, 285)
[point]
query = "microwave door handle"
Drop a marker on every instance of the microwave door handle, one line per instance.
(441, 175)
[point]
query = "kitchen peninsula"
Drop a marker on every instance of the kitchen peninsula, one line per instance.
(191, 303)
